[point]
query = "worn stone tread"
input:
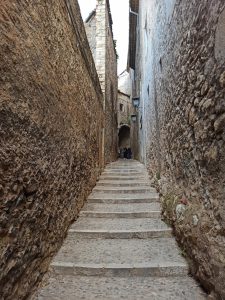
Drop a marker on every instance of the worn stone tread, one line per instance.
(125, 173)
(124, 183)
(121, 234)
(134, 178)
(120, 251)
(121, 270)
(127, 215)
(114, 288)
(125, 196)
(119, 200)
(135, 207)
(128, 190)
(129, 224)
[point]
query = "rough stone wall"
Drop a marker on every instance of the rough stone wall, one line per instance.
(51, 117)
(106, 65)
(182, 88)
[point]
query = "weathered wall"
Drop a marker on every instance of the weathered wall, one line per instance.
(182, 89)
(124, 112)
(51, 116)
(106, 65)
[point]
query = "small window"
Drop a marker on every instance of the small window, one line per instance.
(121, 107)
(160, 64)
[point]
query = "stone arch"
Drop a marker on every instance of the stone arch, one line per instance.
(124, 136)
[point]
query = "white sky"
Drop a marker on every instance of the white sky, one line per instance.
(120, 14)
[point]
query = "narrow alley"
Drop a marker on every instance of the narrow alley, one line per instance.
(112, 149)
(119, 248)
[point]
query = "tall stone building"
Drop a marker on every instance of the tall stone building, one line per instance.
(100, 36)
(177, 52)
(51, 122)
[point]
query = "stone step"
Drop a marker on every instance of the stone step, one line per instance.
(124, 183)
(119, 224)
(121, 257)
(123, 198)
(127, 208)
(125, 190)
(140, 210)
(119, 248)
(125, 164)
(121, 234)
(116, 288)
(121, 228)
(128, 165)
(135, 169)
(122, 178)
(103, 214)
(124, 172)
(165, 269)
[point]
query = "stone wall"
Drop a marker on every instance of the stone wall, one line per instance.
(51, 118)
(106, 65)
(181, 80)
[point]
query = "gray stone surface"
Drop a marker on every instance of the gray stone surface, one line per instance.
(107, 256)
(129, 190)
(132, 288)
(118, 224)
(122, 177)
(124, 183)
(102, 214)
(119, 251)
(121, 234)
(134, 207)
(123, 198)
(125, 172)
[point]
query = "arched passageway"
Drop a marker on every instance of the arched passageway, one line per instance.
(124, 136)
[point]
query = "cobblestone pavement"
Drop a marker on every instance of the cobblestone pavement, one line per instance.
(119, 248)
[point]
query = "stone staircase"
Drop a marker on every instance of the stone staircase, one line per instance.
(119, 248)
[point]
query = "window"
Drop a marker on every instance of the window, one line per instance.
(160, 64)
(121, 107)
